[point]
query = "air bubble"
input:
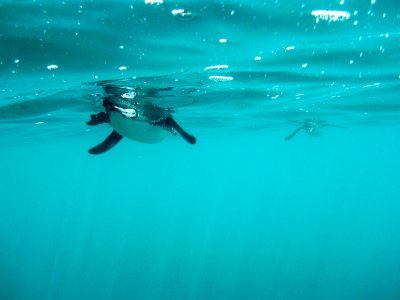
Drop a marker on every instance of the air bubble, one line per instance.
(182, 14)
(52, 67)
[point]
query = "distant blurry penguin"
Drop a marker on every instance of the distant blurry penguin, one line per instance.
(143, 122)
(312, 127)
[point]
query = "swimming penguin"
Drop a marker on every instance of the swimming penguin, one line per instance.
(312, 127)
(141, 121)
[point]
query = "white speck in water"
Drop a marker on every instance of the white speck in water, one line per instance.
(16, 61)
(355, 13)
(121, 47)
(290, 48)
(330, 15)
(220, 78)
(373, 2)
(355, 23)
(182, 14)
(38, 123)
(217, 67)
(222, 41)
(122, 68)
(257, 58)
(232, 12)
(386, 35)
(96, 77)
(361, 54)
(177, 11)
(351, 62)
(384, 15)
(341, 2)
(368, 86)
(153, 1)
(304, 66)
(52, 67)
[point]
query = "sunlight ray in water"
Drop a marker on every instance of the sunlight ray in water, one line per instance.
(249, 150)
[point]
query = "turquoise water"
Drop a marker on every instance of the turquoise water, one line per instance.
(244, 213)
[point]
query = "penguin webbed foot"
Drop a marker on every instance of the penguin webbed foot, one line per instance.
(97, 119)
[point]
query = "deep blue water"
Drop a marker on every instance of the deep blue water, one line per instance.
(244, 213)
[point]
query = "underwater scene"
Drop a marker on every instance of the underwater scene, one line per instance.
(199, 150)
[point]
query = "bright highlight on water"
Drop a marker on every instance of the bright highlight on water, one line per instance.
(330, 15)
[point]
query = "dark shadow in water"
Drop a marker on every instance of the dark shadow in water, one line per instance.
(9, 285)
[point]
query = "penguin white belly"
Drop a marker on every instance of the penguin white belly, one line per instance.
(140, 131)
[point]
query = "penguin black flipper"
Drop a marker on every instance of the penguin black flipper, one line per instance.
(293, 133)
(170, 122)
(99, 118)
(107, 144)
